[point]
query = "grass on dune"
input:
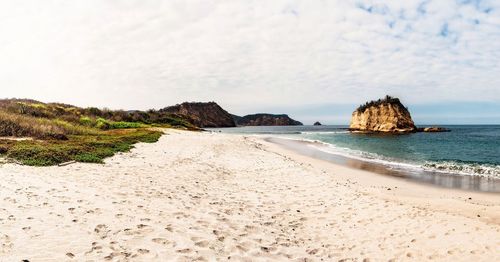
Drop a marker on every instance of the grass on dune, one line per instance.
(89, 148)
(62, 133)
(93, 117)
(17, 125)
(56, 141)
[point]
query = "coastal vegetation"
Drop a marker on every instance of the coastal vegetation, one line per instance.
(90, 148)
(383, 101)
(41, 134)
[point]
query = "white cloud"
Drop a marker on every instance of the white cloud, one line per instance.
(249, 54)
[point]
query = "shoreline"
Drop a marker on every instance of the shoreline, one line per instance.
(320, 150)
(452, 200)
(427, 157)
(205, 196)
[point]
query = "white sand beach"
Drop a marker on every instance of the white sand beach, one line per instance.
(206, 197)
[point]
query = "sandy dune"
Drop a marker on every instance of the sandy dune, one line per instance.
(207, 197)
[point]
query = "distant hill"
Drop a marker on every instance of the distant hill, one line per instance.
(202, 114)
(265, 120)
(212, 115)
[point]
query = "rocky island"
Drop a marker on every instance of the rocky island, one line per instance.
(387, 115)
(383, 115)
(432, 129)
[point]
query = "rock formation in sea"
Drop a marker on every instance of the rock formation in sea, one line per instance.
(433, 129)
(266, 120)
(383, 115)
(203, 114)
(317, 123)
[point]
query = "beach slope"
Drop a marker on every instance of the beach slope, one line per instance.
(202, 196)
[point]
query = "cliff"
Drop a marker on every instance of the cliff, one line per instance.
(203, 114)
(383, 115)
(266, 120)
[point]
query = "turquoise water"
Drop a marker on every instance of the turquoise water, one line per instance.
(466, 150)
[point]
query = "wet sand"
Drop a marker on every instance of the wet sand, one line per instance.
(205, 197)
(441, 179)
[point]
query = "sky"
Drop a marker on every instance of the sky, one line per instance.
(315, 60)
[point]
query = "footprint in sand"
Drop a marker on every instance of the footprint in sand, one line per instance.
(101, 230)
(241, 248)
(184, 250)
(142, 251)
(112, 255)
(141, 226)
(203, 243)
(141, 229)
(169, 228)
(312, 251)
(6, 244)
(161, 241)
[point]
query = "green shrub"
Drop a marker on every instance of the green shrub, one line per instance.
(86, 121)
(37, 154)
(124, 125)
(102, 124)
(88, 158)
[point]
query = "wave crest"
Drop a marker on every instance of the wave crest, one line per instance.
(448, 167)
(462, 168)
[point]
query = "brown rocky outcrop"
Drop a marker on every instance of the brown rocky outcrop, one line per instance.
(384, 115)
(203, 114)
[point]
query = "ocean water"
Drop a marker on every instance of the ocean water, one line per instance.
(468, 150)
